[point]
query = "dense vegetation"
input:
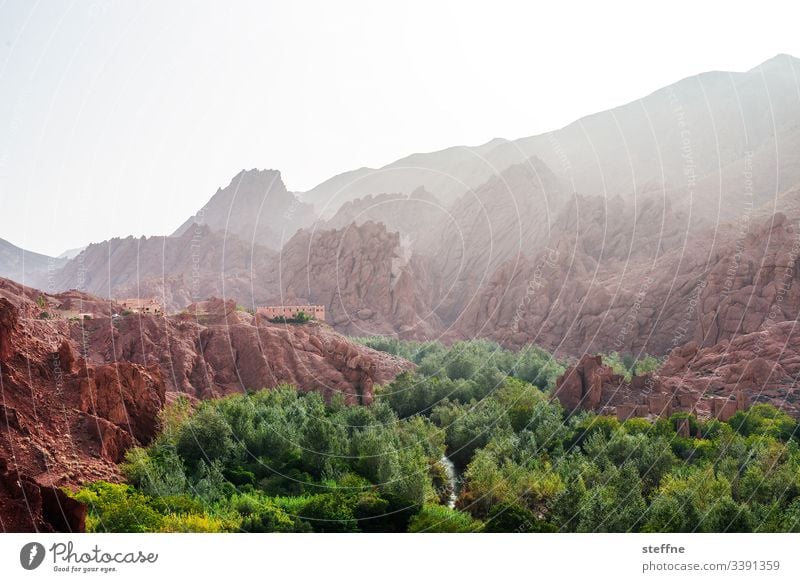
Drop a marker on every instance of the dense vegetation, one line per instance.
(284, 461)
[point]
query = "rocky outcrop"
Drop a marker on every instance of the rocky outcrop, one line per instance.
(761, 366)
(27, 506)
(8, 321)
(255, 208)
(213, 349)
(369, 280)
(712, 382)
(581, 386)
(126, 395)
(64, 420)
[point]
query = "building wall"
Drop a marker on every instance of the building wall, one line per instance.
(290, 311)
(148, 306)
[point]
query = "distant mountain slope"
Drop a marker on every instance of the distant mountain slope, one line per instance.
(178, 269)
(713, 140)
(256, 207)
(446, 173)
(71, 253)
(546, 239)
(504, 219)
(25, 266)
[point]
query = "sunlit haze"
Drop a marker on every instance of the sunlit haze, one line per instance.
(124, 118)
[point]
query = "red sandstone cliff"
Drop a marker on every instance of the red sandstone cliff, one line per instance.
(77, 394)
(62, 420)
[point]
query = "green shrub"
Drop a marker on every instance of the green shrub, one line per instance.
(193, 523)
(118, 508)
(514, 518)
(442, 519)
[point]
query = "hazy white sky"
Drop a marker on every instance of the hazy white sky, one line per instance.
(124, 117)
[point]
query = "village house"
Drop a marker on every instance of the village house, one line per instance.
(290, 311)
(144, 306)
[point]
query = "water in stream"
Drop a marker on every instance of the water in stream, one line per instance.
(452, 479)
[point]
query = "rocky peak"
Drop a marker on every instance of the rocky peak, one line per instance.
(255, 207)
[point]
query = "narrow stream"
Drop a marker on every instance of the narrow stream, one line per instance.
(452, 479)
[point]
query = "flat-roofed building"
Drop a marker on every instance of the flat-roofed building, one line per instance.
(150, 306)
(291, 311)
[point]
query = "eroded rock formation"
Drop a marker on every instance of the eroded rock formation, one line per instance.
(369, 280)
(64, 421)
(715, 381)
(77, 394)
(613, 281)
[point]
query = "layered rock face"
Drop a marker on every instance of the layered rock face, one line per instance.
(754, 282)
(78, 394)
